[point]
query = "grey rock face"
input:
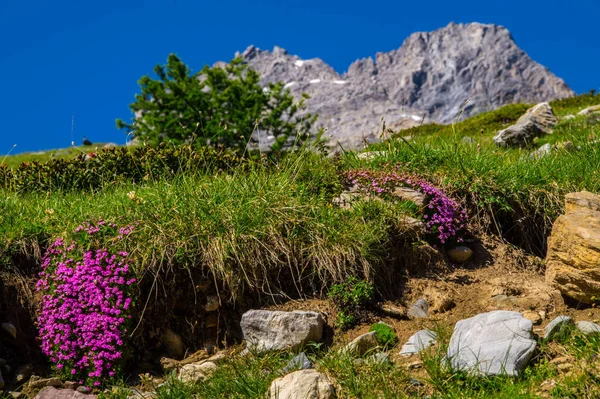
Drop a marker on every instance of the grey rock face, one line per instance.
(420, 309)
(267, 330)
(557, 325)
(587, 327)
(299, 362)
(431, 75)
(498, 342)
(537, 121)
(419, 341)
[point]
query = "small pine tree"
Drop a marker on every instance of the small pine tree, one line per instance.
(217, 106)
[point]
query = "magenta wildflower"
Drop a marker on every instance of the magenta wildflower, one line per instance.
(444, 219)
(84, 307)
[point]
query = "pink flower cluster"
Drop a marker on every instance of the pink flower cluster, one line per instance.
(84, 308)
(444, 219)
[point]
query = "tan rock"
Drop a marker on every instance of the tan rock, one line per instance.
(408, 194)
(573, 258)
(303, 384)
(362, 344)
(589, 110)
(533, 316)
(582, 200)
(194, 372)
(393, 311)
(460, 254)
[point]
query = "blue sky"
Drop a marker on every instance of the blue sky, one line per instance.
(60, 58)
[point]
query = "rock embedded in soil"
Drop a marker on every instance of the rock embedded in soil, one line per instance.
(193, 372)
(417, 342)
(573, 258)
(420, 309)
(557, 325)
(537, 121)
(581, 201)
(266, 330)
(460, 254)
(44, 382)
(172, 343)
(23, 373)
(303, 384)
(533, 316)
(10, 329)
(393, 311)
(53, 393)
(587, 327)
(493, 343)
(299, 362)
(362, 344)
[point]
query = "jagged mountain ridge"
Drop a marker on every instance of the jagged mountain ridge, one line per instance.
(430, 75)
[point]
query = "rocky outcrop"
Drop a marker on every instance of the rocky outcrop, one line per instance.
(537, 121)
(427, 79)
(266, 330)
(573, 257)
(498, 342)
(303, 384)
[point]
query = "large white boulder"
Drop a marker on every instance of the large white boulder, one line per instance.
(498, 342)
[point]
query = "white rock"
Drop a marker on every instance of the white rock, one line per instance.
(419, 341)
(587, 327)
(498, 342)
(556, 325)
(303, 384)
(266, 330)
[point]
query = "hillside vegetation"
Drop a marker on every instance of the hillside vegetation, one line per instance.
(262, 230)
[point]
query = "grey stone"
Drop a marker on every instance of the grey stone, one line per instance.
(379, 358)
(468, 140)
(537, 121)
(302, 384)
(53, 393)
(299, 362)
(498, 342)
(276, 330)
(420, 309)
(587, 327)
(557, 325)
(362, 344)
(431, 75)
(419, 341)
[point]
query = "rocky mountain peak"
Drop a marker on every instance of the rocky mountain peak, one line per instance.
(431, 75)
